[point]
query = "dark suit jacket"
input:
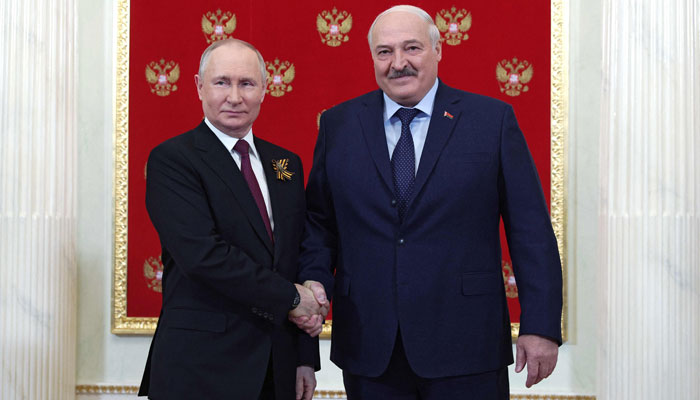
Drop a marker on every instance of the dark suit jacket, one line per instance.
(226, 288)
(438, 274)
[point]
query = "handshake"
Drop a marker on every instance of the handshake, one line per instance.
(312, 309)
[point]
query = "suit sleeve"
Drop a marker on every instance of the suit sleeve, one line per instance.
(319, 246)
(531, 240)
(308, 351)
(178, 207)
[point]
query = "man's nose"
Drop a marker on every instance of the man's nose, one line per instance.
(398, 62)
(233, 96)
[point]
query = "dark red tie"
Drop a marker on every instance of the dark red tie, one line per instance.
(242, 147)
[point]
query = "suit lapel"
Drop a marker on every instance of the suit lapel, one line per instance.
(219, 159)
(273, 187)
(439, 131)
(372, 121)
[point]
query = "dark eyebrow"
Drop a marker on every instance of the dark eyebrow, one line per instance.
(412, 41)
(405, 43)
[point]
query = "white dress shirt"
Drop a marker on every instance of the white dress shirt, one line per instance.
(419, 125)
(255, 162)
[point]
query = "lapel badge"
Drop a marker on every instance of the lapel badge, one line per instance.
(448, 115)
(280, 167)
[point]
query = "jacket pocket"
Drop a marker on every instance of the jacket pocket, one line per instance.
(476, 283)
(197, 320)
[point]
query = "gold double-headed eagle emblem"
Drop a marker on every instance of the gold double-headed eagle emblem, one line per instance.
(333, 26)
(279, 77)
(509, 280)
(161, 76)
(513, 76)
(218, 25)
(153, 272)
(454, 25)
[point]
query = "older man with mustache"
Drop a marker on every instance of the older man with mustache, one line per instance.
(405, 196)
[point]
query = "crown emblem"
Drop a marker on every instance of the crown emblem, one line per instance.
(161, 76)
(333, 26)
(218, 25)
(454, 25)
(509, 281)
(279, 77)
(153, 272)
(513, 76)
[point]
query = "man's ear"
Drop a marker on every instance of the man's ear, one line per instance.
(438, 50)
(198, 83)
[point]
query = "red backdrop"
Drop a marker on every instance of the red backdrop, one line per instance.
(168, 37)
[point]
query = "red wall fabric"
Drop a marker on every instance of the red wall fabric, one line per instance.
(169, 33)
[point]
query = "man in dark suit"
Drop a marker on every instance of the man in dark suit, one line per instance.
(229, 210)
(404, 200)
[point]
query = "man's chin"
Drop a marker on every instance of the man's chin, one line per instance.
(403, 95)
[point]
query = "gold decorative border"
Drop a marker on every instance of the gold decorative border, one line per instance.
(106, 389)
(122, 324)
(319, 394)
(326, 332)
(559, 135)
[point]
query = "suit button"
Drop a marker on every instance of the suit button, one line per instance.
(401, 241)
(274, 269)
(254, 310)
(393, 202)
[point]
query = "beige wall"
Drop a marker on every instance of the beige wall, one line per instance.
(104, 358)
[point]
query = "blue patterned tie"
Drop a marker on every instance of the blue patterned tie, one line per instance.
(403, 161)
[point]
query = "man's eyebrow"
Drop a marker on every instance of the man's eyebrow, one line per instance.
(386, 46)
(412, 41)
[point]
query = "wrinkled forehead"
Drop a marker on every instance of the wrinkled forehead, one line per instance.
(400, 26)
(232, 55)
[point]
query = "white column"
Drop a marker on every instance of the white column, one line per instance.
(649, 288)
(37, 199)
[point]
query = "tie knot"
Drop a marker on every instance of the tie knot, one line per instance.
(242, 147)
(406, 115)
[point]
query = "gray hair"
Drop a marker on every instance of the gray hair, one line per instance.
(207, 53)
(433, 31)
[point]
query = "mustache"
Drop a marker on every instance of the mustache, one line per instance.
(406, 71)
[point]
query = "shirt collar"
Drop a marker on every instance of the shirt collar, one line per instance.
(230, 141)
(425, 105)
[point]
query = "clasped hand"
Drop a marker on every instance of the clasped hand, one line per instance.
(313, 308)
